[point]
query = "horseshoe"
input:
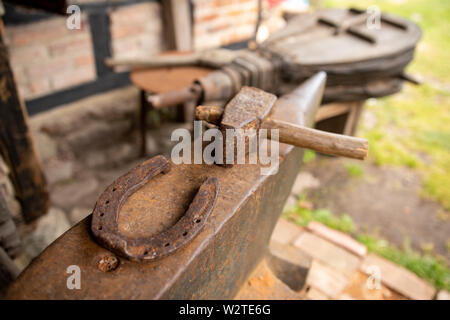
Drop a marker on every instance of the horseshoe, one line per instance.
(104, 225)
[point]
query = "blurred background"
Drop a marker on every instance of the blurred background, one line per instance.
(397, 202)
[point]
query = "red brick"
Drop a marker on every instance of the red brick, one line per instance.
(71, 44)
(221, 3)
(50, 67)
(24, 91)
(84, 60)
(124, 31)
(339, 238)
(136, 13)
(39, 87)
(207, 18)
(219, 27)
(72, 77)
(41, 32)
(27, 55)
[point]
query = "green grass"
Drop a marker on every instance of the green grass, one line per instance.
(309, 156)
(302, 217)
(411, 128)
(354, 170)
(427, 266)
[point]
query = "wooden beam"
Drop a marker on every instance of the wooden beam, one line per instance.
(332, 110)
(53, 6)
(178, 24)
(16, 145)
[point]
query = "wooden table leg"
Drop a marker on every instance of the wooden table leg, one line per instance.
(339, 117)
(359, 111)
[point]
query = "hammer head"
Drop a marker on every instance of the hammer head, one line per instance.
(244, 115)
(247, 109)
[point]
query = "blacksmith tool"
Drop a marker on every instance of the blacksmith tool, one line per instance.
(251, 109)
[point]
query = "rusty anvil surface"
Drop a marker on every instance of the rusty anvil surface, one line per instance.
(215, 263)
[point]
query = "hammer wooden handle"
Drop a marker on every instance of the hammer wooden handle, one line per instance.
(321, 141)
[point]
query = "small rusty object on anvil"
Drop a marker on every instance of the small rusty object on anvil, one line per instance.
(250, 109)
(105, 218)
(210, 114)
(108, 263)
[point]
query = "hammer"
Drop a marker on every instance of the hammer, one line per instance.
(251, 109)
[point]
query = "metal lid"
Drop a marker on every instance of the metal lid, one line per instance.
(342, 36)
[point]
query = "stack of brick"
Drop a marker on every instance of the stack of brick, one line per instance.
(342, 269)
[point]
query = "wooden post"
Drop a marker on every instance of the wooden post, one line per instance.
(339, 117)
(16, 145)
(178, 26)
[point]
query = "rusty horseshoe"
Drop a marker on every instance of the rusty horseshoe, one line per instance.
(104, 225)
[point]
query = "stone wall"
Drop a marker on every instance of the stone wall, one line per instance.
(87, 134)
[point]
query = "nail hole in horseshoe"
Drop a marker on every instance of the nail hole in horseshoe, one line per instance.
(167, 244)
(107, 201)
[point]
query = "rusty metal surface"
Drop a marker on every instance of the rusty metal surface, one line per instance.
(211, 266)
(248, 109)
(107, 220)
(216, 86)
(176, 97)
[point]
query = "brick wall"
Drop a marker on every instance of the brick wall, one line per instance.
(221, 22)
(46, 56)
(137, 30)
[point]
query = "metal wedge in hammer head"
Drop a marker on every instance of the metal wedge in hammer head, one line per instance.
(252, 108)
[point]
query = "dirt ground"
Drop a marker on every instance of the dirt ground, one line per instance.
(384, 200)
